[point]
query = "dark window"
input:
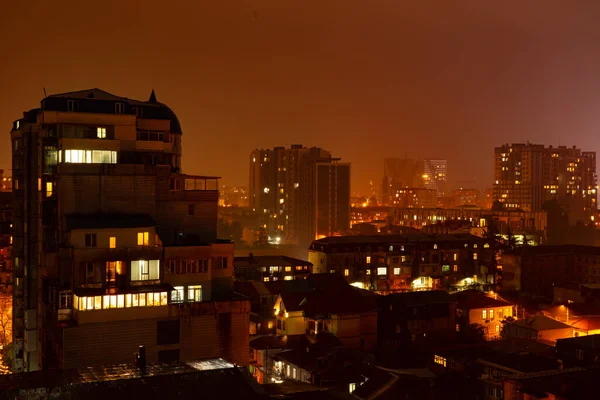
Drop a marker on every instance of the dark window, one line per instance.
(175, 184)
(167, 332)
(89, 273)
(119, 108)
(168, 356)
(190, 209)
(90, 240)
(224, 262)
(72, 106)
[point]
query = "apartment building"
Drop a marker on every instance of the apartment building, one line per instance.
(114, 247)
(303, 193)
(390, 263)
(527, 175)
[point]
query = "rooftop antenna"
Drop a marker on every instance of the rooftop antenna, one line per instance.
(45, 93)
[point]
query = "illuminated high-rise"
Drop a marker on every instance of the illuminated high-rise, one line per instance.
(302, 193)
(114, 247)
(432, 174)
(527, 175)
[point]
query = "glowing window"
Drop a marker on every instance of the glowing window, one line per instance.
(128, 300)
(49, 189)
(396, 271)
(474, 256)
(288, 269)
(484, 314)
(142, 238)
(142, 299)
(101, 133)
(105, 302)
(120, 301)
(163, 298)
(195, 293)
(150, 300)
(287, 278)
(491, 314)
(112, 242)
(135, 300)
(97, 302)
(455, 268)
(382, 271)
(368, 259)
(177, 295)
(368, 272)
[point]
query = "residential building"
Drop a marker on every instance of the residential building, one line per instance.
(563, 384)
(466, 197)
(539, 327)
(475, 307)
(579, 351)
(538, 269)
(485, 368)
(398, 173)
(415, 198)
(432, 174)
(327, 303)
(389, 263)
(113, 245)
(270, 268)
(5, 182)
(214, 378)
(302, 193)
(411, 316)
(262, 320)
(527, 175)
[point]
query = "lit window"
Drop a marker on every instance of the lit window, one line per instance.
(382, 271)
(396, 271)
(97, 302)
(120, 301)
(142, 238)
(491, 314)
(101, 133)
(195, 293)
(266, 279)
(474, 256)
(368, 272)
(445, 268)
(145, 270)
(455, 256)
(135, 300)
(112, 242)
(128, 300)
(435, 247)
(439, 360)
(39, 184)
(163, 298)
(391, 248)
(90, 156)
(113, 301)
(497, 328)
(48, 189)
(177, 295)
(142, 299)
(455, 268)
(346, 272)
(351, 387)
(288, 269)
(368, 259)
(113, 268)
(484, 314)
(270, 325)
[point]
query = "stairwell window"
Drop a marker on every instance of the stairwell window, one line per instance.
(143, 238)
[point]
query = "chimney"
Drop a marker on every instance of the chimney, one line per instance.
(141, 359)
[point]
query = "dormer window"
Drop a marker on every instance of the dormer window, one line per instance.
(101, 133)
(119, 108)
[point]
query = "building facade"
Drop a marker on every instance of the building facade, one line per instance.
(432, 174)
(301, 192)
(398, 173)
(527, 175)
(390, 263)
(415, 198)
(113, 246)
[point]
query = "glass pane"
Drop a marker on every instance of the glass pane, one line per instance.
(90, 303)
(113, 301)
(135, 300)
(98, 302)
(157, 299)
(142, 299)
(150, 299)
(163, 298)
(106, 302)
(120, 301)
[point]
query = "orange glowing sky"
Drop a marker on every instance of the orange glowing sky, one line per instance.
(363, 79)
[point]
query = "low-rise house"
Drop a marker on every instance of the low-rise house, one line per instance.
(539, 327)
(404, 317)
(475, 307)
(579, 351)
(486, 367)
(270, 268)
(262, 320)
(327, 303)
(567, 384)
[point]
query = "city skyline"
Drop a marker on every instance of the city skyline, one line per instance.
(341, 81)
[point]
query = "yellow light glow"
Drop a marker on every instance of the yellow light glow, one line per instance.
(287, 315)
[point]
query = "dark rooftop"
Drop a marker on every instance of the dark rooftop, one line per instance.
(399, 239)
(101, 220)
(474, 299)
(268, 261)
(100, 101)
(557, 250)
(215, 378)
(568, 384)
(540, 323)
(418, 298)
(587, 341)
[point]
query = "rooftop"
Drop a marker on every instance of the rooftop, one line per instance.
(474, 299)
(390, 239)
(567, 384)
(418, 298)
(540, 323)
(269, 261)
(586, 341)
(216, 378)
(99, 101)
(557, 250)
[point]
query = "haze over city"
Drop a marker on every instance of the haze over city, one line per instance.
(364, 80)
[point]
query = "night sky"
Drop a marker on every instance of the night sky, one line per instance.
(363, 79)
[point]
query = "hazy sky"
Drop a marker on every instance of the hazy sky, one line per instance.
(364, 79)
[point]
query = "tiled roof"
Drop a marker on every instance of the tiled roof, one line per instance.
(474, 299)
(101, 220)
(540, 323)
